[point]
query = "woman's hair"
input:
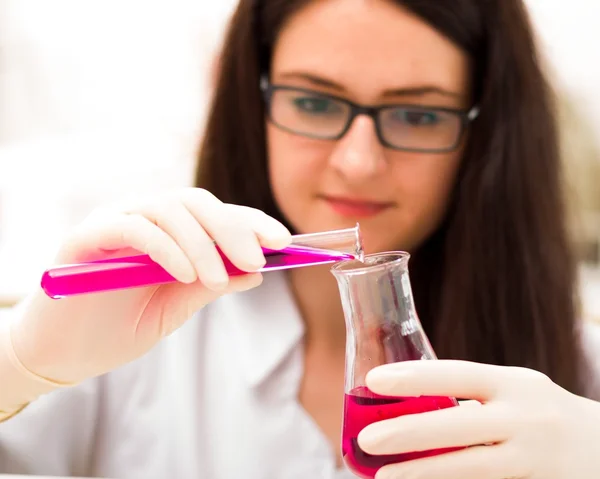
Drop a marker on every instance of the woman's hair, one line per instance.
(496, 283)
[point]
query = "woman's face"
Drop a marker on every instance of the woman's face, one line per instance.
(371, 53)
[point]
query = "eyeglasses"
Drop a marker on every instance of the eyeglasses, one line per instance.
(400, 127)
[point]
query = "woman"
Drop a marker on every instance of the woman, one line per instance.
(457, 164)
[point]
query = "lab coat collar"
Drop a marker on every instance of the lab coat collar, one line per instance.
(265, 324)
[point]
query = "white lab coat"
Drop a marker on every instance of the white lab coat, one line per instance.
(216, 400)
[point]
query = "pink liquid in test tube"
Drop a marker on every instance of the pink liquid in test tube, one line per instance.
(138, 271)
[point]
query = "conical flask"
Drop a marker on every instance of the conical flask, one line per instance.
(382, 327)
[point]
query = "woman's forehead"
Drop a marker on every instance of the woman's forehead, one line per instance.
(373, 46)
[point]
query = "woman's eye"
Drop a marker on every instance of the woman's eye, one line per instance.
(417, 117)
(315, 105)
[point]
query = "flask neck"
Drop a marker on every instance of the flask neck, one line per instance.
(382, 325)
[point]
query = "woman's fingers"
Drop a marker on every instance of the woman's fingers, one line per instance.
(459, 426)
(172, 216)
(232, 233)
(117, 231)
(270, 232)
(238, 231)
(481, 462)
(434, 378)
(462, 379)
(183, 232)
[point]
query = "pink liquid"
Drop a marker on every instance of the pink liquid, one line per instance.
(138, 271)
(362, 407)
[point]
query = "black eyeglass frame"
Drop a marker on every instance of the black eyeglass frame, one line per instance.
(372, 111)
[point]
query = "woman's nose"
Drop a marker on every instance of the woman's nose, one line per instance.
(359, 154)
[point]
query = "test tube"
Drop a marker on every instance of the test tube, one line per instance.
(345, 241)
(138, 271)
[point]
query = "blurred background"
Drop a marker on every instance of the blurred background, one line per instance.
(102, 98)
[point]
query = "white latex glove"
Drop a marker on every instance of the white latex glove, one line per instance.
(71, 339)
(536, 429)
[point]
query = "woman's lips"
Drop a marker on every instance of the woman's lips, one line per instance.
(356, 208)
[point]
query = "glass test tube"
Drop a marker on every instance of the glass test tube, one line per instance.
(138, 271)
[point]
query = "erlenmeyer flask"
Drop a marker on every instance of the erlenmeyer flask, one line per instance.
(381, 327)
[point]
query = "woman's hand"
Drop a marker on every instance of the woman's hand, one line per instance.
(69, 340)
(531, 428)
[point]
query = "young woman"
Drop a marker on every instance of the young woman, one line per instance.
(428, 122)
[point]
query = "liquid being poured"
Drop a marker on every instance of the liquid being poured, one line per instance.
(362, 407)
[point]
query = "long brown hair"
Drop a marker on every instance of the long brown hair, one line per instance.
(496, 283)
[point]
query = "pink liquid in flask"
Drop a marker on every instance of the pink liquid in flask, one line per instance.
(362, 407)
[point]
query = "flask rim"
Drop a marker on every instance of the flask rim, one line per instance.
(374, 262)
